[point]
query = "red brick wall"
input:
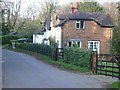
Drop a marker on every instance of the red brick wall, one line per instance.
(92, 32)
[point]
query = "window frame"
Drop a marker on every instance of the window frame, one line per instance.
(93, 48)
(80, 26)
(72, 42)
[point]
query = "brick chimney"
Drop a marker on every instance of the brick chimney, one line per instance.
(73, 7)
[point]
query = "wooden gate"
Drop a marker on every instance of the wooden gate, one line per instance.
(104, 64)
(59, 53)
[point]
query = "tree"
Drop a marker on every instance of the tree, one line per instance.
(32, 12)
(5, 29)
(48, 9)
(28, 27)
(4, 11)
(118, 6)
(111, 9)
(14, 11)
(116, 34)
(87, 6)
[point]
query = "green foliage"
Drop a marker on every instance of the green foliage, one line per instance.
(118, 6)
(5, 29)
(37, 48)
(58, 63)
(75, 45)
(87, 6)
(0, 39)
(116, 85)
(6, 39)
(116, 41)
(52, 40)
(73, 57)
(27, 28)
(7, 46)
(77, 56)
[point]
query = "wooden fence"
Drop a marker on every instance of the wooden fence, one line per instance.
(104, 64)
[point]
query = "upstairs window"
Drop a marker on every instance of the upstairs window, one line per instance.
(80, 24)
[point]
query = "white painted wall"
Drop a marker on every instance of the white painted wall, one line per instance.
(54, 32)
(37, 38)
(58, 36)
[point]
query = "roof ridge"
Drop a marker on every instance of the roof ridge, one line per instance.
(101, 18)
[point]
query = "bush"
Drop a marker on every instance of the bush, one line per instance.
(116, 85)
(73, 55)
(77, 56)
(37, 48)
(6, 39)
(7, 46)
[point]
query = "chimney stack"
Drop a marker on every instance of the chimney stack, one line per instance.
(74, 7)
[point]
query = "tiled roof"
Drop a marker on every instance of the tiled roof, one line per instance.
(101, 18)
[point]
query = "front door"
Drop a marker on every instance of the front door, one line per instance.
(94, 46)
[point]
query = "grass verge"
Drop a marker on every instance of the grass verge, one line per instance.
(116, 85)
(59, 64)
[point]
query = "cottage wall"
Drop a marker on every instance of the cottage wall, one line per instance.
(92, 32)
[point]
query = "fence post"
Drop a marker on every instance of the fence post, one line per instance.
(94, 62)
(119, 73)
(55, 52)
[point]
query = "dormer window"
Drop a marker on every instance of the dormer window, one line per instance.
(80, 24)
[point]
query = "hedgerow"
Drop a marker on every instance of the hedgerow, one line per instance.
(77, 56)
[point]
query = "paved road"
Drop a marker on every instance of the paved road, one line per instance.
(24, 71)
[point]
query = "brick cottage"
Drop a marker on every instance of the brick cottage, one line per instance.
(86, 30)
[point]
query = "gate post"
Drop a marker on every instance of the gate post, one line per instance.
(119, 73)
(55, 52)
(94, 62)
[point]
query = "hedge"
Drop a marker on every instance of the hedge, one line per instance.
(72, 55)
(6, 39)
(37, 48)
(77, 56)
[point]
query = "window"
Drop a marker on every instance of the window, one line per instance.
(94, 45)
(74, 43)
(69, 44)
(80, 25)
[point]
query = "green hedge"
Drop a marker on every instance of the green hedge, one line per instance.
(77, 56)
(6, 39)
(37, 48)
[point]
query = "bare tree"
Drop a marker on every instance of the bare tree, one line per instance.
(110, 8)
(14, 12)
(32, 12)
(48, 9)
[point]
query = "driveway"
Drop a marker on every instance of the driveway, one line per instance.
(24, 71)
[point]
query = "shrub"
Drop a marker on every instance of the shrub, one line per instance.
(77, 56)
(37, 48)
(6, 39)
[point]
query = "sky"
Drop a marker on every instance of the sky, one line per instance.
(26, 3)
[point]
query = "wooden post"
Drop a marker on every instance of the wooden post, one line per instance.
(55, 52)
(119, 73)
(94, 62)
